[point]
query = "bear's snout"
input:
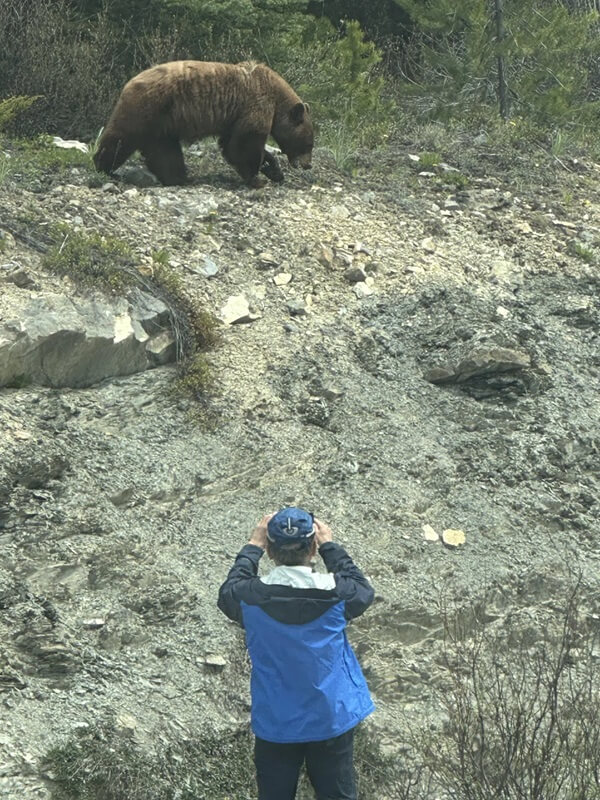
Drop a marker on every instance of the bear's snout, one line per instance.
(303, 161)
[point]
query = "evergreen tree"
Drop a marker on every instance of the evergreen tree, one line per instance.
(547, 48)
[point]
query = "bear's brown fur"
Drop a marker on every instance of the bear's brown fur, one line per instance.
(188, 100)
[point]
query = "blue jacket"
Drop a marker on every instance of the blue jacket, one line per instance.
(306, 682)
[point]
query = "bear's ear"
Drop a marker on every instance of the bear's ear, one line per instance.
(297, 113)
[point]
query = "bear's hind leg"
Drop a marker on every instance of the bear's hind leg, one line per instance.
(245, 150)
(164, 159)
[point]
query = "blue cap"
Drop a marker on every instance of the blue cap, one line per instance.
(291, 526)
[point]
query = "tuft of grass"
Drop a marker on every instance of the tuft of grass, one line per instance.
(429, 160)
(456, 179)
(93, 260)
(582, 251)
(196, 377)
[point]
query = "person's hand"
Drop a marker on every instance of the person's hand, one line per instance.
(323, 533)
(259, 534)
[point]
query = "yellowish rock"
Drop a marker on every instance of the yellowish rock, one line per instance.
(454, 538)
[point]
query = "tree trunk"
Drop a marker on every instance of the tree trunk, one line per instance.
(502, 87)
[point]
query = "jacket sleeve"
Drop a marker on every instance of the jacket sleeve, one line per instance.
(232, 591)
(351, 584)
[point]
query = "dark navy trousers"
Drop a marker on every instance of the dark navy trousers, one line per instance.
(329, 765)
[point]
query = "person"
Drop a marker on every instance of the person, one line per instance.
(307, 688)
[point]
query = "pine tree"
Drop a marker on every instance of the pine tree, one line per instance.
(547, 49)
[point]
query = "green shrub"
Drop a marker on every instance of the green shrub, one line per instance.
(519, 707)
(11, 107)
(337, 76)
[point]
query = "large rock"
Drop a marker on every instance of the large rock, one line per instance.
(59, 341)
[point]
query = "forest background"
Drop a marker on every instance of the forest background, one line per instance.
(524, 70)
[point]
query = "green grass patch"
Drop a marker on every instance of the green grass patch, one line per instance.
(582, 251)
(429, 160)
(38, 162)
(93, 260)
(196, 377)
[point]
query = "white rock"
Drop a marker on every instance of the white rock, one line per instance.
(339, 212)
(237, 310)
(362, 289)
(70, 144)
(430, 534)
(282, 278)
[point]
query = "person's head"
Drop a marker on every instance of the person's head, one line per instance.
(291, 537)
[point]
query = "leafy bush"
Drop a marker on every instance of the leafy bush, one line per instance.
(520, 706)
(11, 107)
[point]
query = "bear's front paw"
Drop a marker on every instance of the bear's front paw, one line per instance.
(257, 182)
(272, 170)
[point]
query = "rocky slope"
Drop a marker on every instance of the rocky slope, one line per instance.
(402, 357)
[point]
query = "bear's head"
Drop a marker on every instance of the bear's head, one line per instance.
(295, 136)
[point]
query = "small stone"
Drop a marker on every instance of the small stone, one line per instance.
(19, 277)
(282, 278)
(110, 188)
(355, 274)
(502, 313)
(562, 223)
(236, 310)
(267, 260)
(453, 538)
(430, 534)
(523, 227)
(361, 247)
(209, 269)
(94, 623)
(214, 662)
(428, 245)
(339, 212)
(296, 307)
(162, 348)
(426, 174)
(414, 158)
(363, 289)
(439, 374)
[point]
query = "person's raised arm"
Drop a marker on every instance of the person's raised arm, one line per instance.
(351, 584)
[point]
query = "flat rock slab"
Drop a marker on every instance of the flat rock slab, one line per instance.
(59, 341)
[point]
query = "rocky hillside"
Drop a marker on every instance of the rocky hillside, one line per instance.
(413, 353)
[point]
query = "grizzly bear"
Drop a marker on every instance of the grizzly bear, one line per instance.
(188, 100)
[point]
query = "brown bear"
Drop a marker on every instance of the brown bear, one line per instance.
(188, 100)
